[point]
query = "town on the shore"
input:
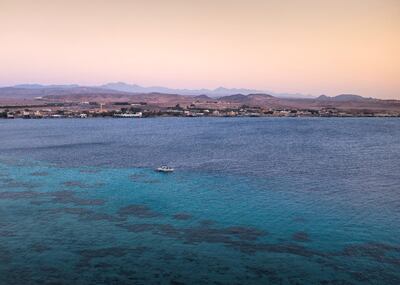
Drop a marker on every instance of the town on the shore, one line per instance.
(145, 110)
(75, 101)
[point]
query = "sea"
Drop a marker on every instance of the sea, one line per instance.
(251, 201)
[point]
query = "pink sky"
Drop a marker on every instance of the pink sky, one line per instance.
(307, 46)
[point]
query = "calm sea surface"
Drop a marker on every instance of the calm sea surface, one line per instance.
(252, 201)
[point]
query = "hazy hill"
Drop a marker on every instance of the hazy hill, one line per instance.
(343, 101)
(203, 97)
(41, 91)
(343, 98)
(264, 100)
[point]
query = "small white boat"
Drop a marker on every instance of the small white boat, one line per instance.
(165, 168)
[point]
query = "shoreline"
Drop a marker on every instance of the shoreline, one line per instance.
(196, 117)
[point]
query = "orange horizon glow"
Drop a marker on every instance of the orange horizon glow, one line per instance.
(294, 46)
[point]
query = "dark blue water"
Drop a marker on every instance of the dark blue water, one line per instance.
(252, 201)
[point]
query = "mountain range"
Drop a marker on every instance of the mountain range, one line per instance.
(120, 92)
(134, 88)
(217, 92)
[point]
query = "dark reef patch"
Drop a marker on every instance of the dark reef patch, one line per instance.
(216, 235)
(140, 211)
(66, 197)
(40, 173)
(379, 252)
(244, 233)
(207, 223)
(168, 257)
(285, 248)
(151, 181)
(299, 220)
(176, 282)
(75, 184)
(82, 185)
(103, 265)
(5, 255)
(6, 180)
(335, 282)
(88, 255)
(269, 273)
(142, 178)
(138, 228)
(89, 170)
(374, 274)
(137, 177)
(7, 233)
(182, 216)
(12, 183)
(229, 236)
(49, 270)
(87, 214)
(39, 247)
(301, 237)
(19, 195)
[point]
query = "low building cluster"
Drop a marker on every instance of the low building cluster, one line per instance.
(143, 110)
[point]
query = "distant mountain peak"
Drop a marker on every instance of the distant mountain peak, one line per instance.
(221, 89)
(120, 86)
(260, 95)
(203, 96)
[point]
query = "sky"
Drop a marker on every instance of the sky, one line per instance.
(298, 46)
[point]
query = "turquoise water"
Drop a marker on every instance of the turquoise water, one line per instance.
(252, 201)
